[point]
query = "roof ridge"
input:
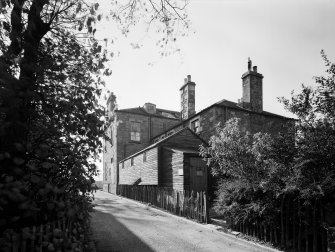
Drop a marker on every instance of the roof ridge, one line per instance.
(160, 141)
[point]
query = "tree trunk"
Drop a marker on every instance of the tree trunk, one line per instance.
(294, 213)
(282, 233)
(287, 221)
(315, 227)
(300, 227)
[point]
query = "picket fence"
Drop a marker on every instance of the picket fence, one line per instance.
(296, 228)
(42, 238)
(192, 205)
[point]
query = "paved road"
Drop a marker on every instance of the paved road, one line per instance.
(122, 225)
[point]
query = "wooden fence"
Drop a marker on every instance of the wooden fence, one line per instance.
(296, 228)
(193, 205)
(61, 235)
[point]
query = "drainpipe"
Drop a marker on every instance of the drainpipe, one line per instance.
(149, 129)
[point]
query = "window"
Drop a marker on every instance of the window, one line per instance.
(195, 126)
(132, 161)
(112, 160)
(181, 172)
(199, 172)
(135, 131)
(144, 156)
(122, 165)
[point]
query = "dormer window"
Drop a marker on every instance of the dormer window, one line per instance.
(195, 126)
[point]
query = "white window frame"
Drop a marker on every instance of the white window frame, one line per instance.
(195, 125)
(135, 131)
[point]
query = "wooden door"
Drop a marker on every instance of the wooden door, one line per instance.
(198, 174)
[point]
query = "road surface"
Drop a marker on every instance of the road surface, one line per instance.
(120, 224)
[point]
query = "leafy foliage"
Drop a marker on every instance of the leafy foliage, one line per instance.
(249, 174)
(258, 173)
(51, 123)
(314, 165)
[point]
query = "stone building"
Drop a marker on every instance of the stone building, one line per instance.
(173, 162)
(129, 131)
(249, 109)
(132, 130)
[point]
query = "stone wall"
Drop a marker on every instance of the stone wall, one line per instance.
(110, 161)
(252, 122)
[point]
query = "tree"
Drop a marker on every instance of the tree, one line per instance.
(51, 121)
(314, 166)
(249, 175)
(288, 185)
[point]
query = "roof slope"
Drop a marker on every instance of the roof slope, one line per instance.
(235, 105)
(170, 142)
(159, 112)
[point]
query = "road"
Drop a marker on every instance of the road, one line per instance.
(120, 224)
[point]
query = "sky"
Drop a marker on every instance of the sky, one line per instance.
(283, 38)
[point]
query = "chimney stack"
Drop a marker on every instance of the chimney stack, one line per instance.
(187, 95)
(150, 108)
(111, 102)
(252, 82)
(111, 106)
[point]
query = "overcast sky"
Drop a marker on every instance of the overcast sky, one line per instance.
(283, 38)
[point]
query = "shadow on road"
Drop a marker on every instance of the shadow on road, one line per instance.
(112, 236)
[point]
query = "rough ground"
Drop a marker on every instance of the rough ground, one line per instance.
(123, 225)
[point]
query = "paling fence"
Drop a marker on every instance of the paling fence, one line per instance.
(296, 227)
(189, 204)
(61, 235)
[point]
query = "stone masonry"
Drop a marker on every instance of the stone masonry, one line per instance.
(153, 124)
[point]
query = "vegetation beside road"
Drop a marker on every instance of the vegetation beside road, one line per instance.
(273, 182)
(51, 120)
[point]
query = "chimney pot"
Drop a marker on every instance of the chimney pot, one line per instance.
(189, 78)
(150, 108)
(255, 69)
(249, 64)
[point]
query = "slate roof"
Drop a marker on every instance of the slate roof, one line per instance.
(163, 140)
(159, 112)
(234, 105)
(229, 104)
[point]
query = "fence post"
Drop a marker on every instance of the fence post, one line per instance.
(207, 220)
(331, 239)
